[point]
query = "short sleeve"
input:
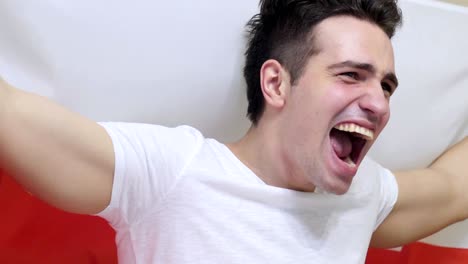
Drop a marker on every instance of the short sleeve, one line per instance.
(388, 194)
(148, 162)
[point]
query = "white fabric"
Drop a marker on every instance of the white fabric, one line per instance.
(430, 108)
(167, 62)
(154, 61)
(181, 198)
(179, 62)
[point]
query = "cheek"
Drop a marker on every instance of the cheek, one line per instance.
(385, 119)
(384, 122)
(338, 94)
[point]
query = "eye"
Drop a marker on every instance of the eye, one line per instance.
(350, 75)
(387, 88)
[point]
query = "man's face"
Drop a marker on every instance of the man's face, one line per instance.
(339, 106)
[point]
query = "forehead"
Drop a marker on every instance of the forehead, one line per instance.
(344, 38)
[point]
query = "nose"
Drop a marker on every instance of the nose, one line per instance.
(374, 101)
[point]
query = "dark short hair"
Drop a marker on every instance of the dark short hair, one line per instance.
(283, 31)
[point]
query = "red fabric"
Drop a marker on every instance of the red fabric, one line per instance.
(419, 253)
(384, 256)
(33, 232)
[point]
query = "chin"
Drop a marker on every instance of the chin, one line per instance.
(336, 186)
(338, 191)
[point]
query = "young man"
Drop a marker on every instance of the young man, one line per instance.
(319, 75)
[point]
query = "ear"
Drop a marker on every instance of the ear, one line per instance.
(275, 83)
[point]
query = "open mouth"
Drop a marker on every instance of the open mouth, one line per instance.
(348, 141)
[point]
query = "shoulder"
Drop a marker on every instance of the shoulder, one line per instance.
(150, 133)
(371, 176)
(143, 129)
(148, 142)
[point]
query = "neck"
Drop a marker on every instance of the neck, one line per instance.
(261, 150)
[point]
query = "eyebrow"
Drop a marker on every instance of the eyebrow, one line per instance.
(366, 67)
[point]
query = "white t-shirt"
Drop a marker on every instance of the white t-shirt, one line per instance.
(181, 198)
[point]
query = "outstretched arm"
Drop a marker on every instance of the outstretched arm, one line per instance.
(428, 200)
(59, 156)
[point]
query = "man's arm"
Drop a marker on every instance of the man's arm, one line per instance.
(59, 156)
(428, 200)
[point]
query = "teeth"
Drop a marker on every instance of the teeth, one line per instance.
(350, 162)
(360, 131)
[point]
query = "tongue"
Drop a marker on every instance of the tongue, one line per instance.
(341, 143)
